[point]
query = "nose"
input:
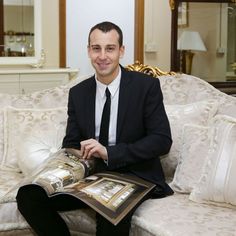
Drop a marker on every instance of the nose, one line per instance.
(103, 54)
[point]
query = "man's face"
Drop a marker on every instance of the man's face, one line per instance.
(105, 52)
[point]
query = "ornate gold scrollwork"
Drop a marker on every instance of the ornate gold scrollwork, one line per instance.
(172, 4)
(146, 69)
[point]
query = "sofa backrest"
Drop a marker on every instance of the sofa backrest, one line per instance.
(184, 89)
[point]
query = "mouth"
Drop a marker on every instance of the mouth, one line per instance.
(103, 65)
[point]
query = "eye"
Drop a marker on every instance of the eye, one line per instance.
(95, 48)
(110, 49)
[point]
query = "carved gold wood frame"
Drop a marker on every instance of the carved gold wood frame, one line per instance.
(146, 69)
(172, 4)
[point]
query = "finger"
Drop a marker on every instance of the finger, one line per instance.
(87, 149)
(83, 144)
(85, 153)
(82, 149)
(93, 151)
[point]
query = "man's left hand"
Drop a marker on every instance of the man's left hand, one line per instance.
(92, 148)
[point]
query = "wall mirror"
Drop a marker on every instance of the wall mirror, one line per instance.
(20, 31)
(204, 39)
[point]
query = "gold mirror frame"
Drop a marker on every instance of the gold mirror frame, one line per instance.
(62, 33)
(28, 60)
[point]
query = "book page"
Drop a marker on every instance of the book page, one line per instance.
(58, 171)
(111, 194)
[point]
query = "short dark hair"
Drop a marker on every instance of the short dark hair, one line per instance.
(105, 27)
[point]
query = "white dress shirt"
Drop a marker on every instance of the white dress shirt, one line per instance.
(114, 88)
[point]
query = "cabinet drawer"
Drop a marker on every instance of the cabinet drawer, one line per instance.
(9, 84)
(56, 78)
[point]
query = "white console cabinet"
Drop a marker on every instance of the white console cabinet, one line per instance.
(22, 81)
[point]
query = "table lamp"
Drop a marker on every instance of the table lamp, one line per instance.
(190, 41)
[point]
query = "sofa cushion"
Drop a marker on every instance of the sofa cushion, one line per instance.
(9, 181)
(198, 113)
(176, 215)
(38, 145)
(195, 144)
(30, 135)
(217, 182)
(82, 221)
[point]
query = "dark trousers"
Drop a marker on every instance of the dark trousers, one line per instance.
(41, 213)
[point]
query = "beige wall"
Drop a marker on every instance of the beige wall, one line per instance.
(50, 32)
(157, 33)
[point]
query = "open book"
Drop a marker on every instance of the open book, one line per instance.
(111, 194)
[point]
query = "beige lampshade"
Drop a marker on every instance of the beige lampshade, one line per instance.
(190, 40)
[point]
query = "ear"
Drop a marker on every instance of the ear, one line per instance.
(88, 51)
(122, 51)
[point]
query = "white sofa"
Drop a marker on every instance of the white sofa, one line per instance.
(200, 167)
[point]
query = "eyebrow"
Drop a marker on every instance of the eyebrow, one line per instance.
(108, 45)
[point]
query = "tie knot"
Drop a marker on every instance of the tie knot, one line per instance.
(108, 94)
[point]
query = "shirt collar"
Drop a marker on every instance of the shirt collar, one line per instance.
(113, 86)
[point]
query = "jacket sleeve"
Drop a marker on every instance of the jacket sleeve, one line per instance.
(72, 137)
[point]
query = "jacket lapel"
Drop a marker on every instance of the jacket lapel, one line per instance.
(123, 101)
(90, 108)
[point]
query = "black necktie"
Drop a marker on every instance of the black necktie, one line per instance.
(104, 128)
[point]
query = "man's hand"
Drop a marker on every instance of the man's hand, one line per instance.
(91, 147)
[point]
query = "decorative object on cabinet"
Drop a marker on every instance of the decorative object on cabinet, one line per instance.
(41, 61)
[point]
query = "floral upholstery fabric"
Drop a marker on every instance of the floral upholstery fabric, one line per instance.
(8, 181)
(184, 89)
(198, 113)
(41, 131)
(195, 145)
(48, 98)
(217, 181)
(178, 216)
(1, 134)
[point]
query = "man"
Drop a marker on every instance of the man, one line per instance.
(138, 133)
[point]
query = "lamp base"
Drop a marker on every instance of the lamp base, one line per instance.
(188, 61)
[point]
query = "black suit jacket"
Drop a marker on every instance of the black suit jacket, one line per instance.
(143, 131)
